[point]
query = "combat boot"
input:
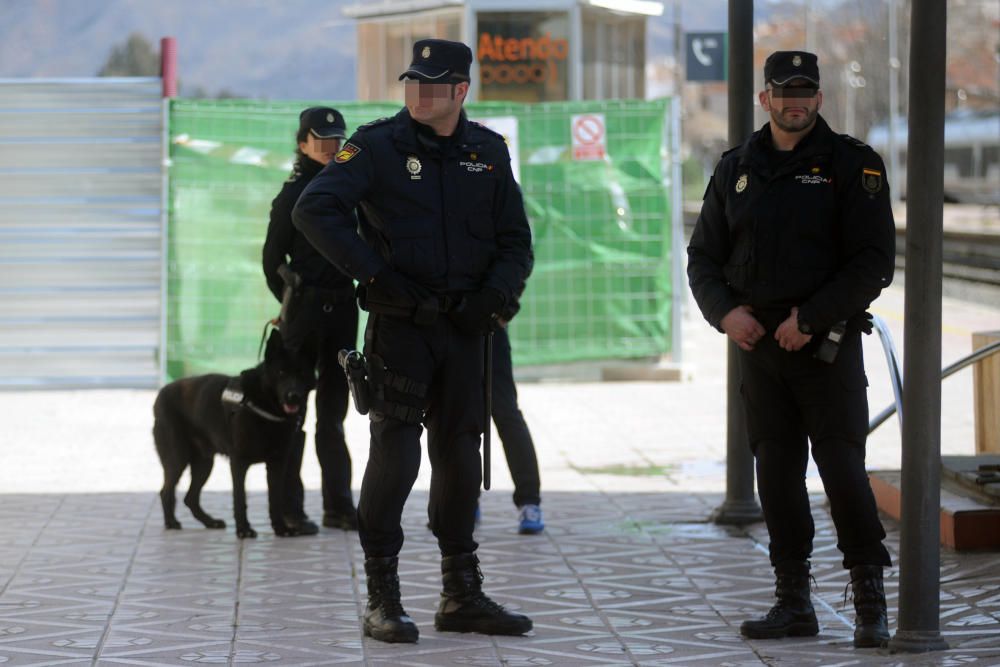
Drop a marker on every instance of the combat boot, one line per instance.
(384, 618)
(793, 614)
(871, 623)
(465, 608)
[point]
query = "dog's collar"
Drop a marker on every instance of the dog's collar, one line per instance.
(233, 396)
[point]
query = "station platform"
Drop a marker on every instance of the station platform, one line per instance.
(629, 570)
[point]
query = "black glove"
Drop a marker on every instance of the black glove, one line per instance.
(862, 322)
(476, 313)
(399, 287)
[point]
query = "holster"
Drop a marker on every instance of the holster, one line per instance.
(393, 394)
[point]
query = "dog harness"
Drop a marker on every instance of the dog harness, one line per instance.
(234, 399)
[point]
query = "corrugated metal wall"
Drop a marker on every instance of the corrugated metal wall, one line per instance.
(81, 182)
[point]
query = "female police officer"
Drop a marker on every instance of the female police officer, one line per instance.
(444, 246)
(322, 319)
(794, 241)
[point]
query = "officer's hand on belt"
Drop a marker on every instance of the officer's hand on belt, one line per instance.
(789, 336)
(742, 327)
(476, 313)
(400, 287)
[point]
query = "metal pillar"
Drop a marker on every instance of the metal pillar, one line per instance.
(678, 284)
(740, 506)
(918, 628)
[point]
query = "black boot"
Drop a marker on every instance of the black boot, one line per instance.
(871, 623)
(465, 608)
(384, 618)
(792, 615)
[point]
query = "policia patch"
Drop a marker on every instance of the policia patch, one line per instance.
(346, 153)
(871, 180)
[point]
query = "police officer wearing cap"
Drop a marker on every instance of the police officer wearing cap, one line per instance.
(321, 320)
(443, 246)
(794, 241)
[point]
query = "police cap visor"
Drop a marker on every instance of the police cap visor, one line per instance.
(323, 123)
(782, 67)
(439, 61)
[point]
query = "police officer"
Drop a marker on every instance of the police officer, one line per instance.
(794, 241)
(322, 319)
(443, 246)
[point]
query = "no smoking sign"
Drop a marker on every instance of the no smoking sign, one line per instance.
(589, 136)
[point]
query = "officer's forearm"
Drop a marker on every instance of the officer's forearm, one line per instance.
(851, 291)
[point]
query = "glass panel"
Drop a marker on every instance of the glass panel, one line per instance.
(523, 56)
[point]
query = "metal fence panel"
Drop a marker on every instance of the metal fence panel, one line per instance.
(602, 285)
(80, 232)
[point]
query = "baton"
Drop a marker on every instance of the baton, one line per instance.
(488, 405)
(293, 282)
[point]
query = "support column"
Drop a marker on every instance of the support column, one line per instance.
(740, 506)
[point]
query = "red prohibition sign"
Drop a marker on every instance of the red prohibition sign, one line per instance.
(589, 129)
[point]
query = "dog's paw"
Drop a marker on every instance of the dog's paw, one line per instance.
(173, 525)
(215, 524)
(246, 532)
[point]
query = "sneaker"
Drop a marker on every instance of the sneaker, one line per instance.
(529, 519)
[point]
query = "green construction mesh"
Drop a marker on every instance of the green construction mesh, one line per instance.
(601, 287)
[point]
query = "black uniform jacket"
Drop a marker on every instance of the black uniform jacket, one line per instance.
(284, 241)
(816, 232)
(448, 216)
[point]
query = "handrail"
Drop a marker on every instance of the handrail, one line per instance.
(895, 374)
(896, 378)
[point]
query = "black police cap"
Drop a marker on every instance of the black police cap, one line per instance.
(783, 66)
(323, 123)
(439, 61)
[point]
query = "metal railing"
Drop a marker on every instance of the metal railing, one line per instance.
(896, 377)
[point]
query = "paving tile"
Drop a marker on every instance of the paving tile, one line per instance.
(629, 571)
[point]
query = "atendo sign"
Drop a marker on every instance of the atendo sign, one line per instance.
(523, 56)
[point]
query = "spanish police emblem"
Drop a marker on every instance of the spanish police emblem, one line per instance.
(426, 53)
(741, 183)
(796, 60)
(871, 180)
(414, 167)
(346, 153)
(329, 118)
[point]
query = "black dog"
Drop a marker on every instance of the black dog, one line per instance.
(251, 418)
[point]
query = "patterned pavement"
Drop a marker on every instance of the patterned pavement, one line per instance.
(627, 572)
(616, 579)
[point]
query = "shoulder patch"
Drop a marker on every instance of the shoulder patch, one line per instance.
(375, 123)
(347, 153)
(871, 180)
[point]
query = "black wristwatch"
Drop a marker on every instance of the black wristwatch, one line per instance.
(804, 326)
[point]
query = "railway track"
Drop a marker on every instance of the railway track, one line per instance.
(972, 257)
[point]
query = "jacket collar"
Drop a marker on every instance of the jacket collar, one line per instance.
(308, 167)
(405, 134)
